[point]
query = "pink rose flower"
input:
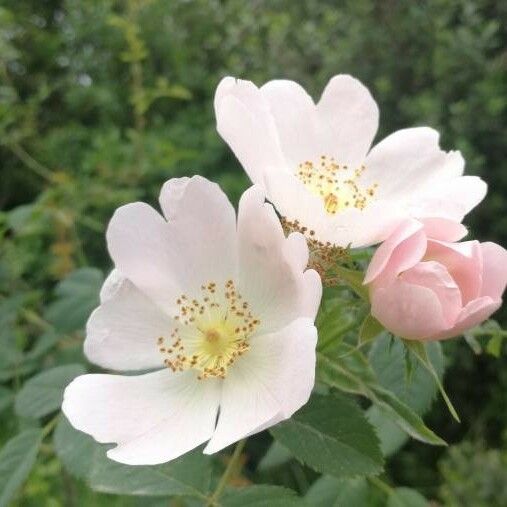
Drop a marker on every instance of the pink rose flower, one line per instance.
(425, 286)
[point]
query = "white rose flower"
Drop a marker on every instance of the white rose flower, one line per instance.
(315, 163)
(222, 310)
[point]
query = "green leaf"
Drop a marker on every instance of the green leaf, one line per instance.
(420, 352)
(189, 475)
(43, 393)
(387, 358)
(354, 279)
(406, 497)
(276, 455)
(331, 434)
(17, 458)
(329, 491)
(370, 329)
(405, 417)
(352, 373)
(76, 297)
(261, 496)
(6, 398)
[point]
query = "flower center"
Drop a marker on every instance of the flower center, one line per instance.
(211, 332)
(337, 185)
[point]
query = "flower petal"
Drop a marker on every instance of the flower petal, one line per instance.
(111, 285)
(472, 315)
(409, 311)
(464, 263)
(165, 259)
(153, 418)
(443, 229)
(202, 230)
(402, 250)
(245, 123)
(271, 278)
(434, 276)
(268, 384)
(494, 276)
(409, 161)
(348, 120)
(295, 117)
(122, 332)
(449, 199)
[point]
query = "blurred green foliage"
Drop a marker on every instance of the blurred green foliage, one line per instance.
(101, 101)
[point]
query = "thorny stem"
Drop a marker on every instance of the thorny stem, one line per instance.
(228, 473)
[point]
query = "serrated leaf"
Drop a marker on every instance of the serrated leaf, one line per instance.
(262, 496)
(331, 434)
(17, 458)
(370, 329)
(420, 352)
(43, 393)
(387, 358)
(189, 475)
(329, 491)
(352, 373)
(276, 455)
(406, 497)
(76, 297)
(354, 279)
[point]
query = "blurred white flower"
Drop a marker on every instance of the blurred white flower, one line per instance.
(317, 168)
(223, 310)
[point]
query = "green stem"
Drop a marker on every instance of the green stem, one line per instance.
(228, 472)
(50, 426)
(381, 485)
(30, 162)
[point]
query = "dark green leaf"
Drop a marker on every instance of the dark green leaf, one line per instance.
(189, 475)
(43, 393)
(406, 497)
(76, 297)
(332, 435)
(370, 329)
(261, 496)
(329, 491)
(16, 460)
(276, 455)
(6, 398)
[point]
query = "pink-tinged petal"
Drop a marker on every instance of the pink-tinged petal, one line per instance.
(407, 161)
(268, 384)
(443, 229)
(271, 279)
(434, 276)
(449, 199)
(348, 120)
(295, 117)
(153, 418)
(408, 311)
(463, 262)
(140, 246)
(401, 250)
(122, 332)
(202, 230)
(165, 259)
(494, 271)
(245, 123)
(474, 313)
(111, 285)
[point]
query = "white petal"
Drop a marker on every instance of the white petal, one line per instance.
(451, 200)
(408, 162)
(268, 384)
(202, 225)
(348, 120)
(122, 332)
(245, 123)
(295, 117)
(271, 278)
(111, 285)
(153, 418)
(166, 259)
